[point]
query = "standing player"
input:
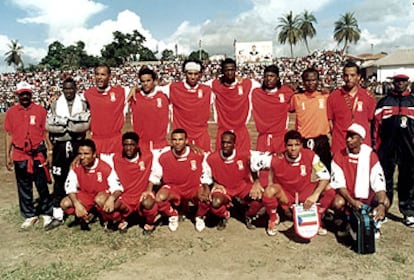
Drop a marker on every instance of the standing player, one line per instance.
(271, 114)
(85, 181)
(229, 173)
(232, 104)
(350, 104)
(107, 104)
(25, 134)
(191, 104)
(312, 118)
(293, 173)
(180, 171)
(133, 169)
(67, 121)
(394, 127)
(150, 113)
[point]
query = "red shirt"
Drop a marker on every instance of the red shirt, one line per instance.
(232, 103)
(133, 175)
(191, 108)
(232, 173)
(107, 117)
(150, 118)
(271, 110)
(25, 124)
(360, 110)
(183, 172)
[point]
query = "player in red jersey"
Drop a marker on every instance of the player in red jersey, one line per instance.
(179, 170)
(271, 114)
(25, 127)
(232, 104)
(350, 104)
(228, 171)
(133, 168)
(108, 107)
(85, 181)
(293, 173)
(150, 113)
(358, 177)
(191, 104)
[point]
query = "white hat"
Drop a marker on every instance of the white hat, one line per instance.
(358, 129)
(24, 87)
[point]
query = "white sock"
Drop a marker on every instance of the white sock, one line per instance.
(58, 213)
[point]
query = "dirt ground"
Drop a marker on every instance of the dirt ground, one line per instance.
(235, 253)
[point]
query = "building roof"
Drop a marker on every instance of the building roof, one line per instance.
(397, 57)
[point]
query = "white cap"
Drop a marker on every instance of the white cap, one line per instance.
(24, 87)
(358, 129)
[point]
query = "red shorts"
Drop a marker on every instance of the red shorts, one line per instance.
(87, 200)
(189, 196)
(270, 143)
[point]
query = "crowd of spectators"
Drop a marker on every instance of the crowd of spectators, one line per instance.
(46, 82)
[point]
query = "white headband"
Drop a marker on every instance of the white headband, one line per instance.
(192, 66)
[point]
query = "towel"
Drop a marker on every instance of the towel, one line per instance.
(62, 108)
(363, 171)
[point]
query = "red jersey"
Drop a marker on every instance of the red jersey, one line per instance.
(358, 109)
(232, 104)
(183, 172)
(271, 110)
(26, 125)
(191, 108)
(233, 173)
(150, 118)
(345, 169)
(295, 176)
(90, 181)
(133, 175)
(107, 117)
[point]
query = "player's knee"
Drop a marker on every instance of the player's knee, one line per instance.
(338, 204)
(100, 199)
(65, 203)
(161, 196)
(148, 203)
(217, 200)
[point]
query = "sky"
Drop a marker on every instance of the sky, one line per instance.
(385, 25)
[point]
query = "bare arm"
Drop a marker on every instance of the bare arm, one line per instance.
(9, 161)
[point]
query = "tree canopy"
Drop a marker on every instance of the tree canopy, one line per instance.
(347, 30)
(289, 30)
(14, 55)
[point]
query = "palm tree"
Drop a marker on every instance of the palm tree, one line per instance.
(289, 30)
(347, 30)
(14, 55)
(306, 21)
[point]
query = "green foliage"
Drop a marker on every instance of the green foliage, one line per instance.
(167, 55)
(347, 30)
(70, 57)
(290, 31)
(14, 55)
(199, 54)
(306, 27)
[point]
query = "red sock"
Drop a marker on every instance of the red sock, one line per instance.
(165, 208)
(202, 209)
(254, 207)
(270, 203)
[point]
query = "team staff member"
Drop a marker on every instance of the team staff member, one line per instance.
(350, 104)
(311, 116)
(228, 171)
(150, 113)
(271, 114)
(180, 171)
(67, 121)
(293, 173)
(232, 104)
(108, 107)
(394, 127)
(91, 176)
(25, 126)
(133, 169)
(191, 104)
(358, 177)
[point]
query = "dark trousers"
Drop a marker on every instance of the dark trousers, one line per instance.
(320, 145)
(62, 159)
(405, 185)
(25, 182)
